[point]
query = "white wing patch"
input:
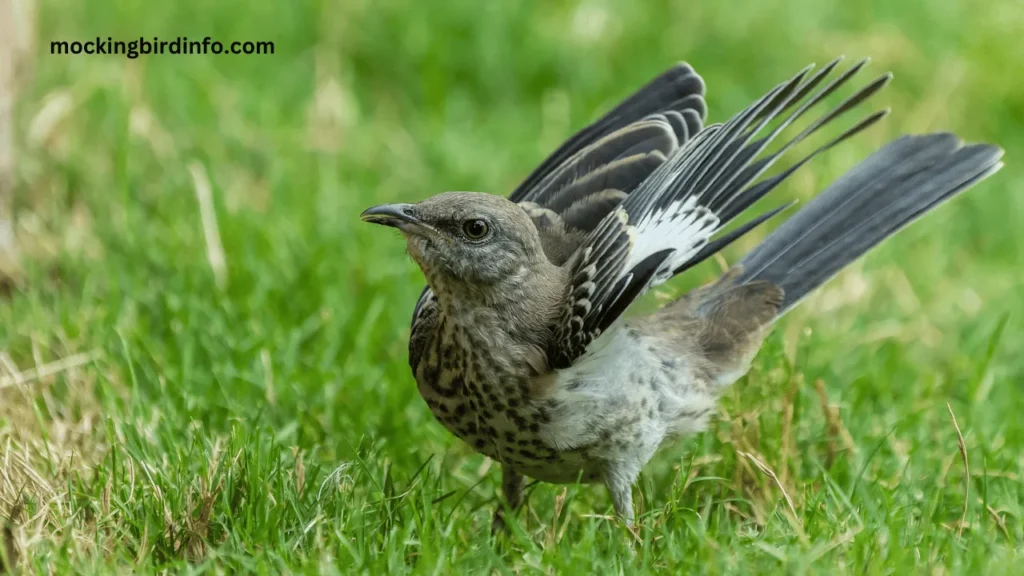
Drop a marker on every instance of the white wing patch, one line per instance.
(683, 227)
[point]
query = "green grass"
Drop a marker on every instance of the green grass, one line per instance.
(269, 423)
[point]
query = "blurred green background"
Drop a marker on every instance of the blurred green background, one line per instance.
(262, 416)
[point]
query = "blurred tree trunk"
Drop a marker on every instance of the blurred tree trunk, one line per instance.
(16, 32)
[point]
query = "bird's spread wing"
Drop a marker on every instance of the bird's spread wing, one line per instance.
(591, 173)
(668, 223)
(676, 96)
(572, 191)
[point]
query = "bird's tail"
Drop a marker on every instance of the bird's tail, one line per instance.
(888, 190)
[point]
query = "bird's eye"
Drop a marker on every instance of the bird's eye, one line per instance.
(474, 229)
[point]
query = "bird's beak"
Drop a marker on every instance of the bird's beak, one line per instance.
(401, 216)
(405, 217)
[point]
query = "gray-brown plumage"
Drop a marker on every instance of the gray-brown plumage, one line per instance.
(519, 345)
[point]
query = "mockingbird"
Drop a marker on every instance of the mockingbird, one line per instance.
(519, 344)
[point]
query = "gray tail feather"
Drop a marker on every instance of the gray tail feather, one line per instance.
(888, 190)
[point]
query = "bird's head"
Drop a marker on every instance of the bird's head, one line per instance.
(466, 238)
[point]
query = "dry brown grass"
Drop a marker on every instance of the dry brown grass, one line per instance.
(38, 455)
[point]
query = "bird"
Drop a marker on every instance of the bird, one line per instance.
(520, 343)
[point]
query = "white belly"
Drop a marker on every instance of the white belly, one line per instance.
(629, 392)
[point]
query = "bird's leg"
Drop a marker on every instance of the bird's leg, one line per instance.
(622, 498)
(619, 479)
(512, 488)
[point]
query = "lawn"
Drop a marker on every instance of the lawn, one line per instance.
(203, 351)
